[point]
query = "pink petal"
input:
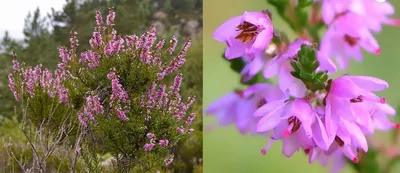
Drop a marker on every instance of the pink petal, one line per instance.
(319, 134)
(272, 68)
(227, 29)
(256, 65)
(330, 123)
(270, 121)
(262, 40)
(270, 107)
(342, 108)
(234, 52)
(344, 88)
(256, 88)
(357, 135)
(303, 111)
(328, 13)
(290, 145)
(221, 103)
(368, 83)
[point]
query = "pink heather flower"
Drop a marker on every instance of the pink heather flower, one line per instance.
(11, 85)
(295, 122)
(65, 57)
(118, 92)
(177, 83)
(121, 114)
(374, 13)
(99, 18)
(345, 37)
(163, 143)
(335, 157)
(93, 106)
(78, 150)
(280, 65)
(97, 40)
(63, 95)
(150, 135)
(169, 160)
(131, 40)
(253, 67)
(149, 146)
(351, 102)
(90, 57)
(190, 119)
(82, 119)
(160, 44)
(110, 17)
(190, 131)
(113, 47)
(15, 65)
(73, 40)
(180, 130)
(238, 107)
(245, 35)
(172, 44)
(176, 63)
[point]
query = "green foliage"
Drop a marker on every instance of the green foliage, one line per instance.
(304, 67)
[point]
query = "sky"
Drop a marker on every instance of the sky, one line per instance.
(14, 12)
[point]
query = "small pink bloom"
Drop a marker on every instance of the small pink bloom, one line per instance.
(163, 143)
(245, 35)
(149, 146)
(345, 37)
(150, 135)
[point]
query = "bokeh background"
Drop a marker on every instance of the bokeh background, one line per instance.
(225, 150)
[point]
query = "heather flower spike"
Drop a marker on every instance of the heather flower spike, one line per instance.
(307, 109)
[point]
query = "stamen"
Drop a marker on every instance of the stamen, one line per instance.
(355, 160)
(261, 103)
(352, 41)
(372, 99)
(266, 148)
(248, 32)
(383, 100)
(339, 141)
(288, 131)
(240, 93)
(307, 151)
(356, 100)
(378, 51)
(395, 22)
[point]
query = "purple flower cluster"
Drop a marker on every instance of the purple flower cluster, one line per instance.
(92, 107)
(118, 97)
(326, 124)
(350, 27)
(170, 101)
(31, 79)
(90, 57)
(152, 143)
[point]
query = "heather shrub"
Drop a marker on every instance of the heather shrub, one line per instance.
(112, 98)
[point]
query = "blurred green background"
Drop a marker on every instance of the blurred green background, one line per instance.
(225, 150)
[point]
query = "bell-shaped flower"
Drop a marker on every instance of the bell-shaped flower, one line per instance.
(245, 35)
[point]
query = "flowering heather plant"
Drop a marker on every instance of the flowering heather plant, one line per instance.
(115, 94)
(330, 119)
